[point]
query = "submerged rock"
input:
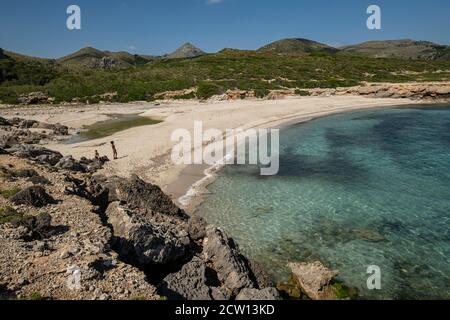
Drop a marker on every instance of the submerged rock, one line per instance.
(314, 279)
(35, 196)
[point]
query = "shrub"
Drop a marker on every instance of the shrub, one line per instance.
(206, 90)
(8, 214)
(302, 93)
(8, 193)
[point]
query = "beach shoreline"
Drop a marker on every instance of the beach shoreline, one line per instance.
(146, 150)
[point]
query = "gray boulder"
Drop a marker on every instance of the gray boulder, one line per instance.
(37, 153)
(257, 294)
(187, 284)
(69, 163)
(142, 197)
(35, 196)
(146, 241)
(25, 124)
(226, 259)
(4, 122)
(197, 228)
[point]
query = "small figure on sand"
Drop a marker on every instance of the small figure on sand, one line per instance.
(97, 156)
(114, 150)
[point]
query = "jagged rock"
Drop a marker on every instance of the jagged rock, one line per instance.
(35, 227)
(35, 196)
(259, 294)
(33, 98)
(69, 163)
(107, 63)
(146, 241)
(226, 259)
(189, 283)
(26, 124)
(197, 228)
(4, 122)
(37, 153)
(262, 278)
(8, 140)
(314, 279)
(142, 196)
(57, 128)
(39, 180)
(24, 173)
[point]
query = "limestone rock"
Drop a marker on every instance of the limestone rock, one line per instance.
(69, 163)
(145, 241)
(226, 259)
(189, 283)
(314, 279)
(142, 196)
(259, 294)
(37, 153)
(35, 196)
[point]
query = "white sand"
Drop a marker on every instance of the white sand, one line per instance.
(146, 150)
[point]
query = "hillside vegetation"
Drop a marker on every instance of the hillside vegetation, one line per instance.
(260, 71)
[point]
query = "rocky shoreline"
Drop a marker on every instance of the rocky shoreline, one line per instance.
(123, 238)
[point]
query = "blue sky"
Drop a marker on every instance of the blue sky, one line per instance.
(38, 27)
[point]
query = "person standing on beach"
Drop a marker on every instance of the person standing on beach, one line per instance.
(114, 150)
(97, 156)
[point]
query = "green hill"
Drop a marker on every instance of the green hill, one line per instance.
(95, 59)
(404, 49)
(298, 46)
(303, 65)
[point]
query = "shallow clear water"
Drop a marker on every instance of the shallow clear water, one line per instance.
(354, 190)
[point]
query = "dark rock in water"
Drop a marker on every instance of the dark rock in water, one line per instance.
(145, 241)
(37, 153)
(187, 284)
(226, 260)
(259, 294)
(197, 228)
(142, 196)
(69, 163)
(35, 196)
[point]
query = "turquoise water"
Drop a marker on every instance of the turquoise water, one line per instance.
(354, 190)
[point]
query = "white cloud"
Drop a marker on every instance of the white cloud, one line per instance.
(132, 47)
(214, 1)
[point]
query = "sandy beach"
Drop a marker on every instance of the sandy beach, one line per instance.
(146, 150)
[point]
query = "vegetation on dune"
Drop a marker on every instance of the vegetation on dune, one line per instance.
(259, 71)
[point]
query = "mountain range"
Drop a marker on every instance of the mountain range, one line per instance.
(97, 59)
